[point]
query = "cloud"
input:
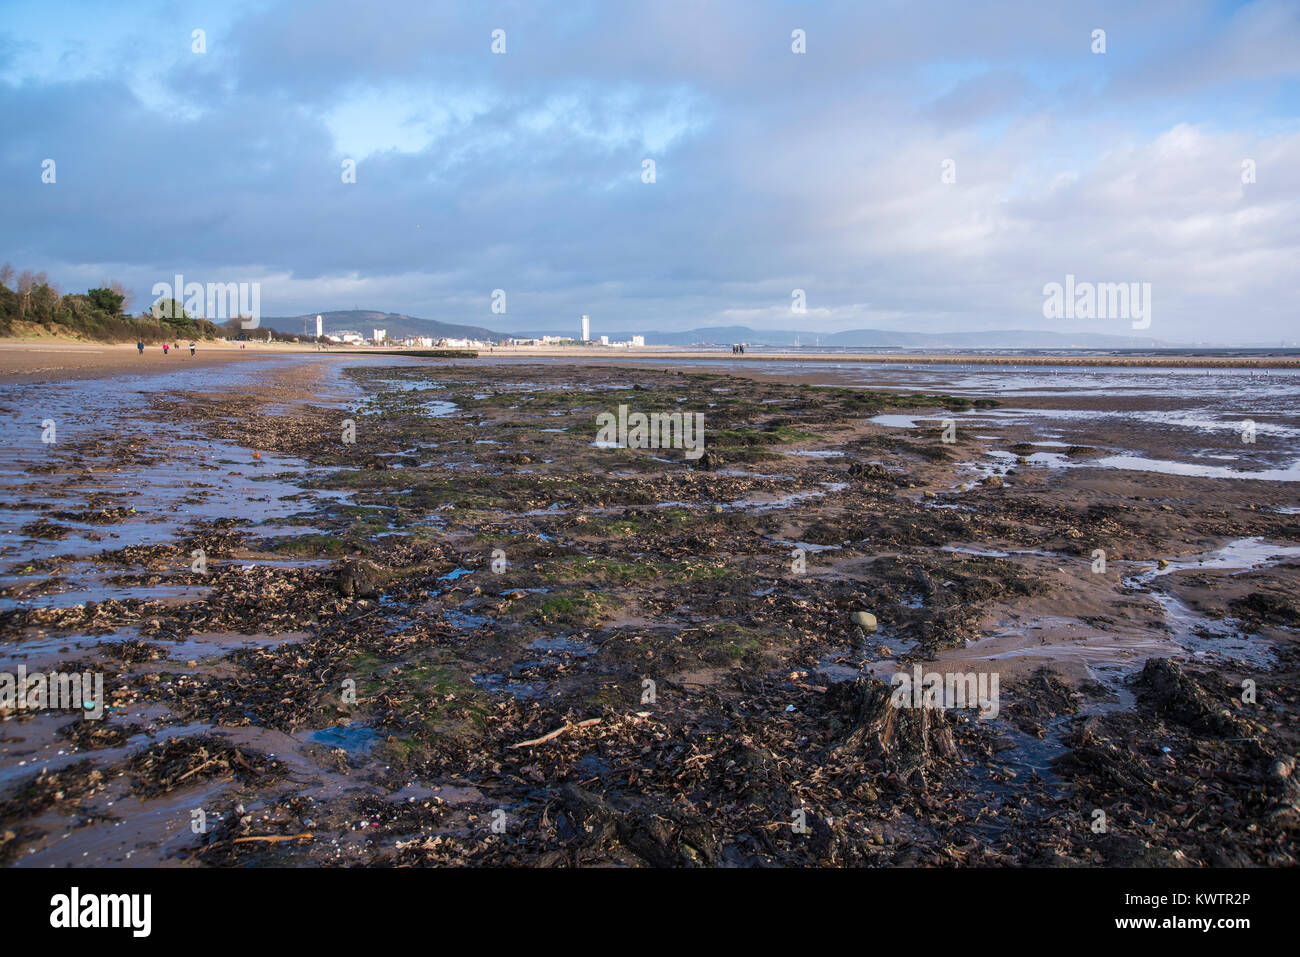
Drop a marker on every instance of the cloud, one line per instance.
(774, 170)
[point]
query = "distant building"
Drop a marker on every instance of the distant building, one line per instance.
(604, 340)
(320, 327)
(586, 328)
(638, 341)
(379, 336)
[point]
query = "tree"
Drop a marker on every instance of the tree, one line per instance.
(42, 301)
(6, 275)
(109, 300)
(170, 310)
(38, 284)
(128, 297)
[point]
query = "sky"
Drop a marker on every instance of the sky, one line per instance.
(921, 166)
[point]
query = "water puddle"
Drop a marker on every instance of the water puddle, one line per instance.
(354, 738)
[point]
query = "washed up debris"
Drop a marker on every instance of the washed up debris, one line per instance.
(167, 765)
(359, 578)
(871, 472)
(1181, 698)
(608, 577)
(1268, 607)
(628, 829)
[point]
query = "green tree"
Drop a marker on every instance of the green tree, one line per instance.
(106, 299)
(170, 311)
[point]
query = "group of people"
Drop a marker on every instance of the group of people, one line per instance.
(738, 350)
(165, 347)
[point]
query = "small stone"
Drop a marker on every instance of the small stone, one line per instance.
(864, 620)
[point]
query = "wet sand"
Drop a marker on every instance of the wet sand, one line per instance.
(499, 590)
(42, 361)
(54, 360)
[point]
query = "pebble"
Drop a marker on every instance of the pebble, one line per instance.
(864, 620)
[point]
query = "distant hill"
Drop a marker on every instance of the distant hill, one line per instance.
(366, 320)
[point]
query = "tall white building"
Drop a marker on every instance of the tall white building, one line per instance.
(586, 328)
(380, 336)
(320, 327)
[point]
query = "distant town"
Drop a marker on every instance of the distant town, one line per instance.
(380, 337)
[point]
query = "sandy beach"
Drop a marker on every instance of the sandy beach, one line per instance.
(53, 360)
(49, 360)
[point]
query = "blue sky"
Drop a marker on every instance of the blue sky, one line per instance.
(775, 171)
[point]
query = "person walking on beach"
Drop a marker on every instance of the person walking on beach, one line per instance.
(140, 346)
(191, 350)
(164, 348)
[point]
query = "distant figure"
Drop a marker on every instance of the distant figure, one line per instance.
(140, 346)
(164, 348)
(191, 350)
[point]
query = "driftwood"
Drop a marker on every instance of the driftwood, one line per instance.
(552, 735)
(904, 739)
(273, 838)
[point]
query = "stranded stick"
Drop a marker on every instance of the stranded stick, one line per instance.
(274, 837)
(556, 733)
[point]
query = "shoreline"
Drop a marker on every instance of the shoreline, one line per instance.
(54, 360)
(1222, 361)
